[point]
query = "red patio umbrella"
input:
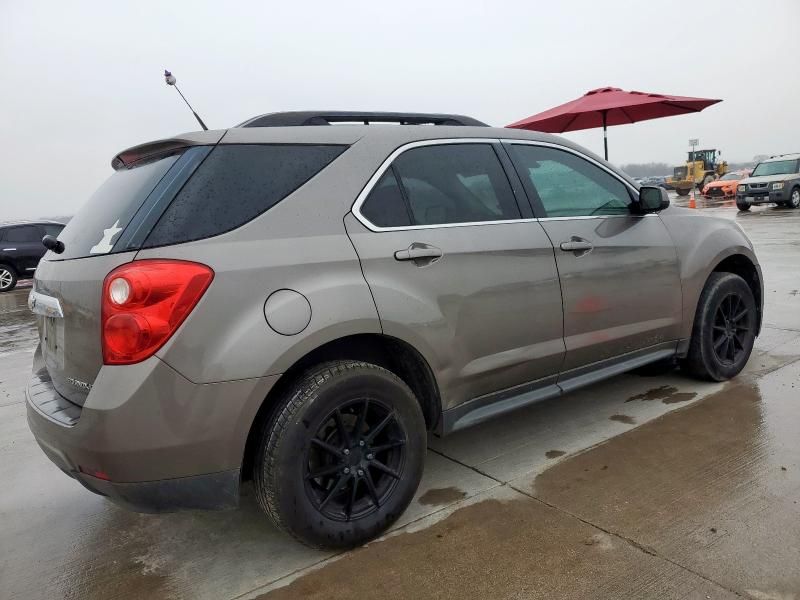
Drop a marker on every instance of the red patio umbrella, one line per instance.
(611, 106)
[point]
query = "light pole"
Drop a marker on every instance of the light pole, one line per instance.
(171, 80)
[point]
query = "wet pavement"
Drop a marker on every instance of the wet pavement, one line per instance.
(643, 486)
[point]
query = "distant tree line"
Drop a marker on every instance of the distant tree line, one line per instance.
(652, 169)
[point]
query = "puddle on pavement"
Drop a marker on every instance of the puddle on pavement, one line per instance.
(659, 393)
(668, 394)
(442, 496)
(554, 453)
(623, 419)
(17, 323)
(679, 397)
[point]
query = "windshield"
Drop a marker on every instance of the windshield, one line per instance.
(731, 177)
(776, 167)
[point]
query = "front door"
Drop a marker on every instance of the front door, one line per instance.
(457, 272)
(619, 271)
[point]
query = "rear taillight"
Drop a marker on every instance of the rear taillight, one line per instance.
(144, 302)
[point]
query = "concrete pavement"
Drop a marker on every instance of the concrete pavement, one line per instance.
(642, 486)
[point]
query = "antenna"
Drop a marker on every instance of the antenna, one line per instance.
(171, 80)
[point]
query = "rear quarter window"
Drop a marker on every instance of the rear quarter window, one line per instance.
(235, 184)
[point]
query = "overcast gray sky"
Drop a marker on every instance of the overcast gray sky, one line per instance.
(83, 80)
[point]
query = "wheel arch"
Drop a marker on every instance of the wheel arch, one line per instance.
(389, 352)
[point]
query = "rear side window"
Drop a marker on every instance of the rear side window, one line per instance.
(442, 184)
(22, 234)
(455, 183)
(235, 184)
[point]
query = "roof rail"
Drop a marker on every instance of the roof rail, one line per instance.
(310, 117)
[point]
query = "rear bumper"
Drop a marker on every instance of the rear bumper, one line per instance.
(147, 437)
(213, 491)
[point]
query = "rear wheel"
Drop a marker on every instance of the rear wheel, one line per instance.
(8, 278)
(794, 198)
(724, 328)
(343, 456)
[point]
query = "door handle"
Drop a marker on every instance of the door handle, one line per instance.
(419, 253)
(577, 245)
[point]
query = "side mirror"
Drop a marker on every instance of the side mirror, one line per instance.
(651, 199)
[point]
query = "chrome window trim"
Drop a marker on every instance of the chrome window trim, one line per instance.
(362, 196)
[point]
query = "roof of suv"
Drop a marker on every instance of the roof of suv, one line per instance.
(410, 127)
(23, 222)
(777, 157)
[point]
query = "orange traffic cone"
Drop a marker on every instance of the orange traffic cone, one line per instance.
(692, 202)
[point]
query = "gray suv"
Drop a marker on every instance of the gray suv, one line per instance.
(775, 180)
(299, 299)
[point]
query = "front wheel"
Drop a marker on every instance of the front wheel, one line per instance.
(343, 455)
(742, 205)
(724, 328)
(794, 199)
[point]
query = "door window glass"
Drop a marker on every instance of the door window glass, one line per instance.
(455, 183)
(569, 186)
(26, 233)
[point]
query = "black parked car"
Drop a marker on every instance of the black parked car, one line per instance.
(21, 248)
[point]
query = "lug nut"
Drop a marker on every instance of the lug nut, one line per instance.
(370, 456)
(346, 452)
(361, 442)
(360, 472)
(346, 470)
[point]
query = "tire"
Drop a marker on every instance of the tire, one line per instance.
(794, 199)
(8, 278)
(742, 205)
(682, 191)
(724, 328)
(706, 180)
(360, 490)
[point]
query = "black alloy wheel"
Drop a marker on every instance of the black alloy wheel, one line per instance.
(355, 459)
(733, 322)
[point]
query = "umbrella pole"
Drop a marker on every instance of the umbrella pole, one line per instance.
(605, 134)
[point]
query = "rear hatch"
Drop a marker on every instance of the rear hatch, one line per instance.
(104, 233)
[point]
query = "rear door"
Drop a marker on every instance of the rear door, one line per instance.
(619, 271)
(24, 244)
(458, 270)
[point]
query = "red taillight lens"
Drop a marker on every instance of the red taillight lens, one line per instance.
(144, 302)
